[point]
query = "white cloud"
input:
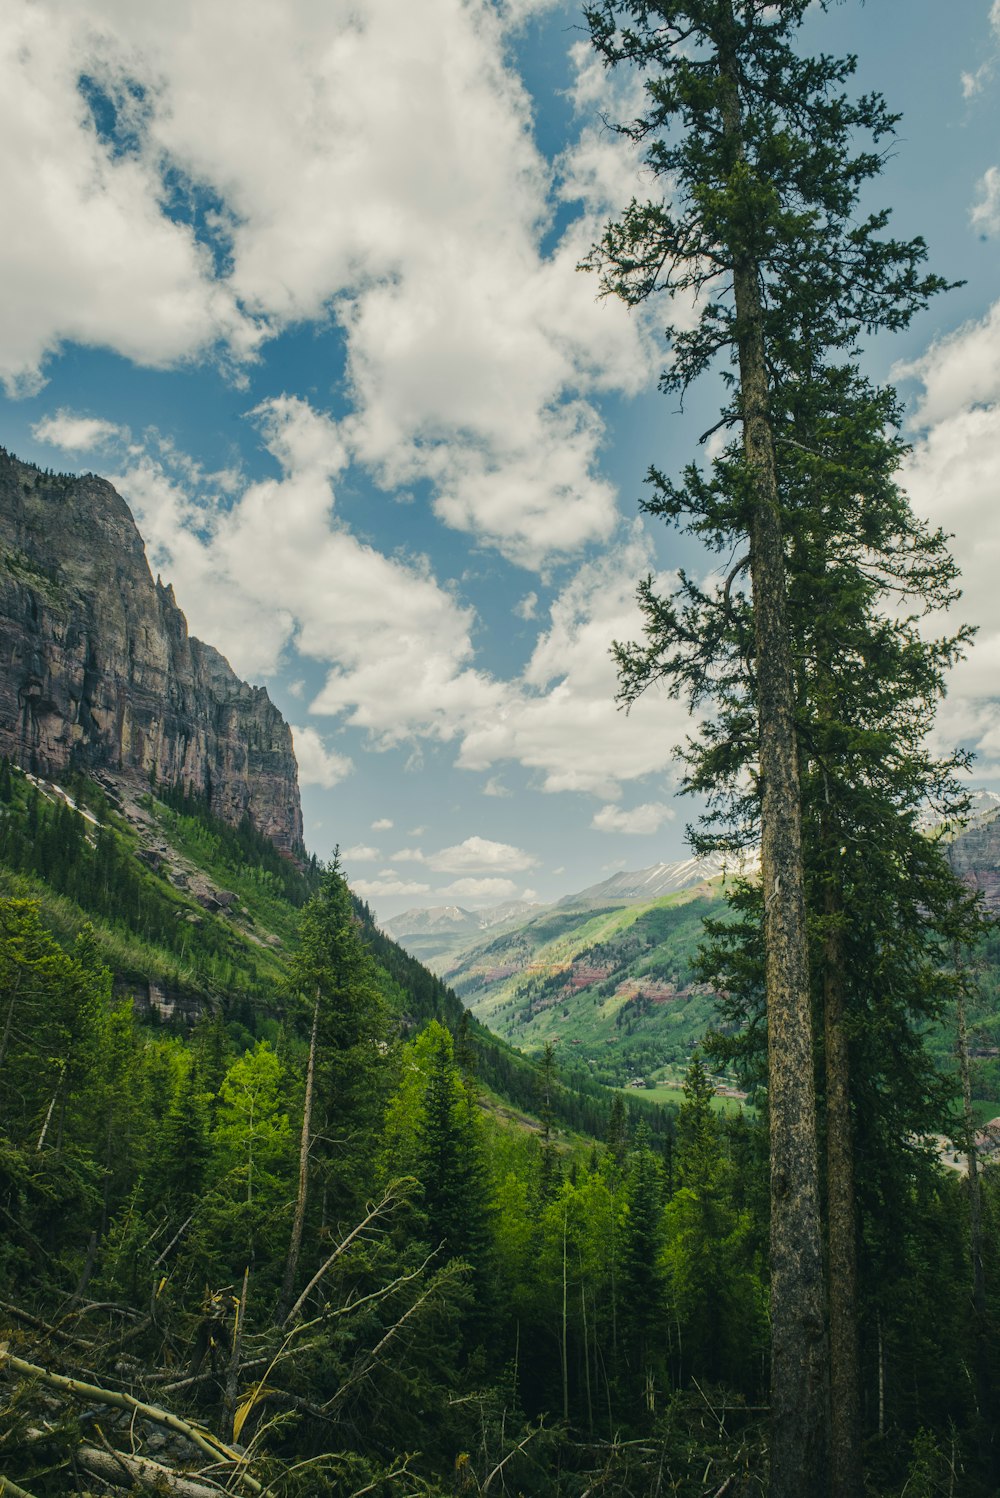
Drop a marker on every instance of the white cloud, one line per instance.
(495, 787)
(985, 214)
(95, 259)
(560, 718)
(253, 570)
(482, 891)
(382, 824)
(953, 478)
(360, 853)
(318, 765)
(644, 819)
(379, 889)
(408, 855)
(959, 372)
(472, 357)
(974, 83)
(480, 853)
(527, 607)
(76, 433)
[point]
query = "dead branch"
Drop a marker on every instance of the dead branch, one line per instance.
(394, 1195)
(205, 1441)
(500, 1465)
(10, 1489)
(123, 1471)
(371, 1361)
(41, 1326)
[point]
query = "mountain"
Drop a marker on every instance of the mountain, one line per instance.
(974, 852)
(613, 988)
(607, 974)
(628, 888)
(99, 671)
(438, 934)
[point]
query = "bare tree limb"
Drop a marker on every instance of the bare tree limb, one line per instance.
(123, 1471)
(205, 1441)
(9, 1487)
(394, 1195)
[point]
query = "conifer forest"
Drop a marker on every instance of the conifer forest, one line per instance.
(279, 1217)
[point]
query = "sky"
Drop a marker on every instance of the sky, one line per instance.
(300, 277)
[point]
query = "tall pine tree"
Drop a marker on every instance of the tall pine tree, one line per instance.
(757, 146)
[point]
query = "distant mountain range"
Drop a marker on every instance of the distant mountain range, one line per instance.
(631, 888)
(607, 973)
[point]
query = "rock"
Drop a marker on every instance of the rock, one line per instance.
(974, 855)
(98, 672)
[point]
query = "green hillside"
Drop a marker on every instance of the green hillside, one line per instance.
(615, 989)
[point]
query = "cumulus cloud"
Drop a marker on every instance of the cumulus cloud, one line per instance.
(480, 891)
(383, 889)
(472, 357)
(318, 765)
(953, 477)
(643, 819)
(253, 570)
(480, 853)
(382, 824)
(985, 214)
(74, 433)
(360, 853)
(560, 717)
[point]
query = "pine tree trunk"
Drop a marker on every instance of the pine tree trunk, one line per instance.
(846, 1471)
(298, 1223)
(982, 1348)
(564, 1350)
(799, 1371)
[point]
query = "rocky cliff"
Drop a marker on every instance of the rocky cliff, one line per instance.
(974, 855)
(97, 669)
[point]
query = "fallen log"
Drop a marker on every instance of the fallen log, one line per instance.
(123, 1471)
(206, 1442)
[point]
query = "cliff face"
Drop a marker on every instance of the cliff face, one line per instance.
(97, 669)
(975, 856)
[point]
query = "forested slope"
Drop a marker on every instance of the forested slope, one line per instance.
(278, 1215)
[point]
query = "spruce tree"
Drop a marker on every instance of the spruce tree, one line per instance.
(757, 146)
(334, 983)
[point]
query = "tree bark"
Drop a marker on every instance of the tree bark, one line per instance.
(799, 1368)
(846, 1470)
(979, 1308)
(122, 1471)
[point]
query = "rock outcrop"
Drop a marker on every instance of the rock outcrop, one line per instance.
(97, 669)
(974, 854)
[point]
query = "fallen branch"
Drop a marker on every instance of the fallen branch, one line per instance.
(371, 1360)
(500, 1465)
(41, 1326)
(123, 1471)
(204, 1439)
(10, 1489)
(394, 1195)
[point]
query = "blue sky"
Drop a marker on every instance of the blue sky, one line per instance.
(299, 277)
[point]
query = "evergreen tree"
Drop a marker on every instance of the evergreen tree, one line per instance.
(640, 1275)
(334, 980)
(717, 1319)
(450, 1163)
(757, 146)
